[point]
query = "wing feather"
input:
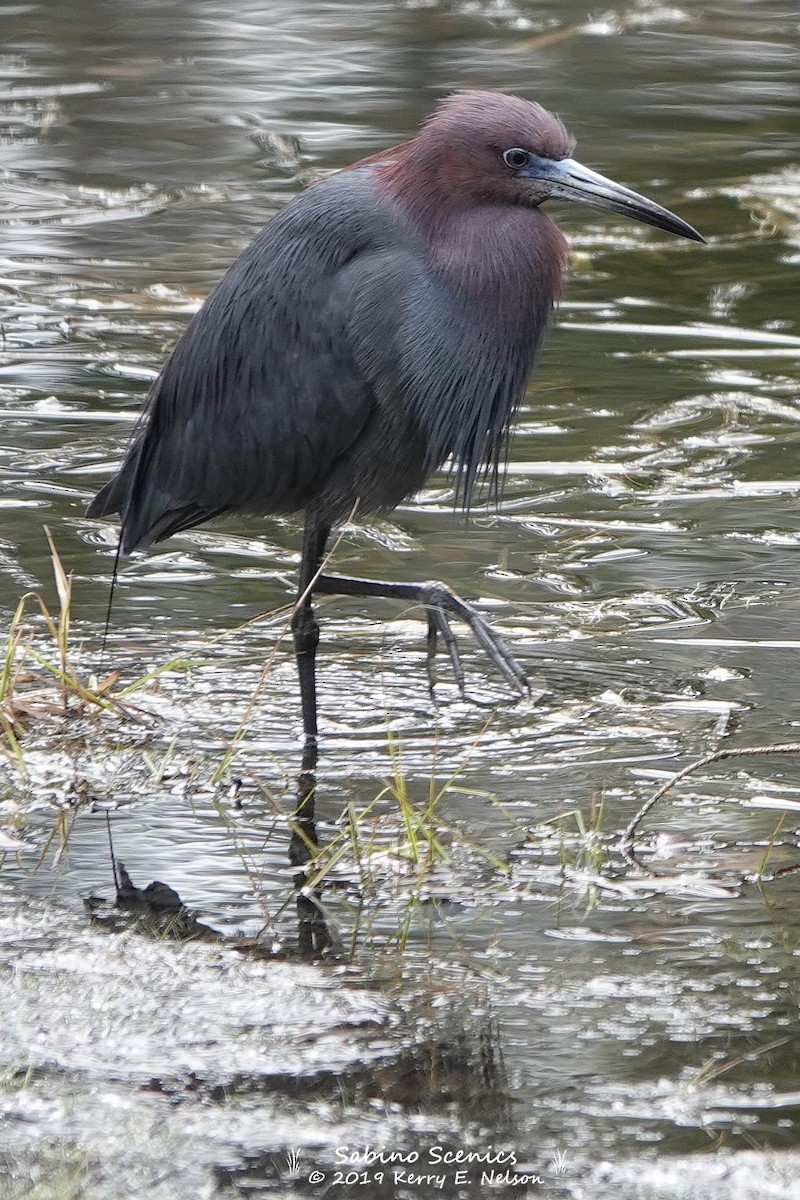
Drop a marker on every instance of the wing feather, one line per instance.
(262, 394)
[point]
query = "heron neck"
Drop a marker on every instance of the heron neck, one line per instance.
(507, 260)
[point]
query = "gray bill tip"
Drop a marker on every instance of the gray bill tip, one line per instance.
(566, 179)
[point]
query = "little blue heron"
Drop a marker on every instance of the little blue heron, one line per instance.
(385, 322)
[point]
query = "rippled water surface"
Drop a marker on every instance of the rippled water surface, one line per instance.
(625, 1029)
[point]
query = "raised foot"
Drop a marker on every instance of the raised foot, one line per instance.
(440, 602)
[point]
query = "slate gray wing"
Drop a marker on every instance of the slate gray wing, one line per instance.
(331, 364)
(262, 394)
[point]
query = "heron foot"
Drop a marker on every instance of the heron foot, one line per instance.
(440, 603)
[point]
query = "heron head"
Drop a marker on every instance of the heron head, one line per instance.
(498, 148)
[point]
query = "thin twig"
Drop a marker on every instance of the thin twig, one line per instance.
(626, 840)
(117, 880)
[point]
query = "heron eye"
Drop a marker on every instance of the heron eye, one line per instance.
(517, 158)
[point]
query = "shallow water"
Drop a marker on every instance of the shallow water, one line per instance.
(610, 1027)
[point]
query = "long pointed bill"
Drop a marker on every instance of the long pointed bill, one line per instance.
(566, 179)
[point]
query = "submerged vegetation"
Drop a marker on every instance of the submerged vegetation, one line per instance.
(36, 684)
(396, 843)
(41, 679)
